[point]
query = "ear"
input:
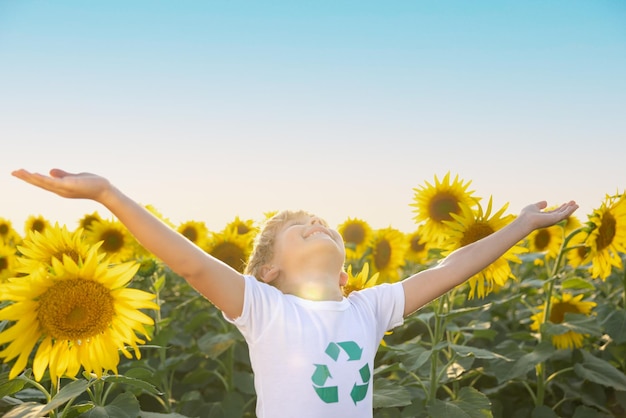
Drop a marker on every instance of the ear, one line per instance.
(269, 273)
(343, 278)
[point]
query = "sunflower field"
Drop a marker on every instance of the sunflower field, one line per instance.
(92, 325)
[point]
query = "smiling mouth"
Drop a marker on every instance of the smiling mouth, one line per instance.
(317, 231)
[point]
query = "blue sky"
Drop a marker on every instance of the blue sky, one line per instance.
(210, 110)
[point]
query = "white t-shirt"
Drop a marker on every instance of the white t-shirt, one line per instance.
(315, 359)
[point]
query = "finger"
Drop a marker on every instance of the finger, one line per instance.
(35, 179)
(58, 173)
(21, 173)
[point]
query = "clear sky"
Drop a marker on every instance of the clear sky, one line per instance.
(214, 109)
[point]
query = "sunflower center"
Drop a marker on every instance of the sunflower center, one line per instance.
(583, 251)
(231, 254)
(4, 263)
(113, 241)
(441, 205)
(382, 255)
(354, 234)
(4, 229)
(606, 231)
(559, 309)
(416, 244)
(191, 234)
(70, 252)
(75, 309)
(38, 226)
(542, 239)
(475, 233)
(88, 220)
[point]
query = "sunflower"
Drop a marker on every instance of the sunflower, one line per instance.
(117, 243)
(195, 231)
(242, 227)
(546, 240)
(436, 204)
(79, 315)
(36, 223)
(388, 247)
(571, 224)
(559, 307)
(356, 234)
(361, 281)
(39, 248)
(417, 249)
(608, 239)
(580, 252)
(8, 260)
(231, 248)
(472, 225)
(8, 235)
(86, 221)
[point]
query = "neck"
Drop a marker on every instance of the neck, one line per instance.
(316, 290)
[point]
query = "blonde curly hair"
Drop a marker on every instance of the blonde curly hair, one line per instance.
(263, 248)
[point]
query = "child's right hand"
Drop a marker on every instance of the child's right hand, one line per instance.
(70, 185)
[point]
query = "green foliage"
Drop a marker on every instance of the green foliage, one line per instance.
(454, 358)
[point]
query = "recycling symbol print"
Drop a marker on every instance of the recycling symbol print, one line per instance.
(323, 379)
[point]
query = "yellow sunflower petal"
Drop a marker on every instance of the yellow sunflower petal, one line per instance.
(42, 358)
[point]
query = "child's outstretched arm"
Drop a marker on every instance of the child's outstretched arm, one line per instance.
(463, 263)
(215, 280)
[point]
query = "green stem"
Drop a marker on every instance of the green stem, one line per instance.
(624, 282)
(418, 380)
(540, 369)
(434, 356)
(541, 383)
(559, 372)
(38, 386)
(166, 383)
(98, 392)
(107, 391)
(530, 391)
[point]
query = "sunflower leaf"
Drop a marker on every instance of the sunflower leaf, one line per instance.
(131, 381)
(616, 326)
(543, 411)
(145, 414)
(577, 283)
(527, 362)
(601, 372)
(77, 410)
(388, 394)
(26, 410)
(214, 345)
(578, 323)
(70, 391)
(464, 351)
(462, 311)
(9, 387)
(125, 405)
(469, 404)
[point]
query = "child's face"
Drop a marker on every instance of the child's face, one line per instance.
(308, 237)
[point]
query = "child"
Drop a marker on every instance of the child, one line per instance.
(311, 349)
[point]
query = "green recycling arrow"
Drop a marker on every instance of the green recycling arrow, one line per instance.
(358, 392)
(352, 349)
(321, 374)
(329, 394)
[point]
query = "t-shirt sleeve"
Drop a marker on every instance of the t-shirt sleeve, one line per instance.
(387, 303)
(261, 305)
